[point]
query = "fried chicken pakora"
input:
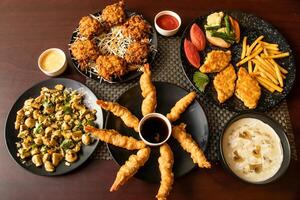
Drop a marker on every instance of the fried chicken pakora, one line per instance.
(84, 51)
(136, 28)
(89, 27)
(114, 14)
(137, 53)
(216, 61)
(224, 83)
(247, 89)
(110, 66)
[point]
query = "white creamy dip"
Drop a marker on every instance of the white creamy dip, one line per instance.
(252, 149)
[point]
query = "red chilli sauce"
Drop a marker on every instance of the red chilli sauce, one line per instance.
(167, 22)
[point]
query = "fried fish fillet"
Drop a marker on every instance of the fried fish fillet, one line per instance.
(224, 83)
(189, 145)
(216, 61)
(130, 167)
(115, 138)
(165, 161)
(247, 89)
(129, 119)
(181, 106)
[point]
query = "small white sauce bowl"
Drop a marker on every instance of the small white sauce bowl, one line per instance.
(163, 31)
(158, 115)
(57, 71)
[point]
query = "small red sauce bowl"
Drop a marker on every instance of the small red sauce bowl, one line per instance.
(167, 23)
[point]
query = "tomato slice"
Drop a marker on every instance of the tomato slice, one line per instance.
(191, 53)
(197, 37)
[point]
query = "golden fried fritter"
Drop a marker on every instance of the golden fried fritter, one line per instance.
(216, 61)
(84, 52)
(224, 83)
(136, 28)
(114, 14)
(110, 66)
(137, 53)
(247, 89)
(89, 26)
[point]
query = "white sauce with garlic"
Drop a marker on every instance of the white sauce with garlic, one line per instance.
(252, 149)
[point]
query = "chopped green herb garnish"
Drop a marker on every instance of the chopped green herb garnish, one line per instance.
(67, 144)
(37, 129)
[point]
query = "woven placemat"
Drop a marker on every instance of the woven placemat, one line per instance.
(167, 67)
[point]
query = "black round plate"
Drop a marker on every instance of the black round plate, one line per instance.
(280, 132)
(11, 133)
(167, 95)
(252, 27)
(130, 75)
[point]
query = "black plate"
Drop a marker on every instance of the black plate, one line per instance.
(280, 132)
(252, 27)
(11, 133)
(167, 95)
(130, 75)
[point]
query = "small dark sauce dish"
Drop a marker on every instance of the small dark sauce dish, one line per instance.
(286, 150)
(155, 129)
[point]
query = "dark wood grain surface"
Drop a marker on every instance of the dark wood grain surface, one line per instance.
(28, 27)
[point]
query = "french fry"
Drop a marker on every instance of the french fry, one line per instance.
(270, 84)
(255, 69)
(278, 74)
(268, 44)
(270, 76)
(257, 47)
(250, 56)
(263, 75)
(250, 67)
(268, 65)
(254, 44)
(284, 71)
(244, 48)
(265, 86)
(282, 55)
(247, 49)
(266, 52)
(271, 48)
(265, 66)
(273, 52)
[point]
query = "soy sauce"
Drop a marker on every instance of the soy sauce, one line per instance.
(154, 130)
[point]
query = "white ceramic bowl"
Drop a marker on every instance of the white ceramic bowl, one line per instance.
(158, 115)
(163, 31)
(59, 69)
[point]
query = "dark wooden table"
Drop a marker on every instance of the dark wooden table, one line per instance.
(29, 27)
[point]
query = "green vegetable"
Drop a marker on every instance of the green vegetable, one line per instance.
(48, 104)
(67, 144)
(67, 109)
(44, 149)
(209, 28)
(37, 129)
(228, 38)
(227, 24)
(91, 122)
(200, 80)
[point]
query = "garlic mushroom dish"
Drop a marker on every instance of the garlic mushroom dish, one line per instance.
(51, 127)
